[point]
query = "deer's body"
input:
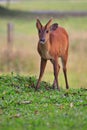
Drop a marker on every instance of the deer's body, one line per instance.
(57, 45)
(53, 43)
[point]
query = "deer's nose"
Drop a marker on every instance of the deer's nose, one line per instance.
(42, 40)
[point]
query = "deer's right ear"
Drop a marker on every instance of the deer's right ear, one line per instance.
(54, 26)
(38, 24)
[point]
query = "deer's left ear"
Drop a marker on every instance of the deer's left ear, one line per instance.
(53, 27)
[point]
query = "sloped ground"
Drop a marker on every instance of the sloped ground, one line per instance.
(23, 108)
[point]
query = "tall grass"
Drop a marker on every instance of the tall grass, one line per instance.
(25, 58)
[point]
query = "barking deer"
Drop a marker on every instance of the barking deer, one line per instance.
(53, 43)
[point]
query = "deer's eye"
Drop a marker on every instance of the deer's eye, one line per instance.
(47, 31)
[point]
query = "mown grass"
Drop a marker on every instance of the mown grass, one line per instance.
(34, 5)
(23, 108)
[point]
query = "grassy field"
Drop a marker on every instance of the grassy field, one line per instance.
(62, 5)
(25, 58)
(21, 108)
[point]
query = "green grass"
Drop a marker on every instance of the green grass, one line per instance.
(21, 108)
(28, 27)
(60, 5)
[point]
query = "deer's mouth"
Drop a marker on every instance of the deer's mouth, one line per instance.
(42, 41)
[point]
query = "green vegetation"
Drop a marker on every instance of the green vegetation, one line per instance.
(22, 108)
(66, 5)
(25, 58)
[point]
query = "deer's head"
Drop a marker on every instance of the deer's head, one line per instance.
(44, 31)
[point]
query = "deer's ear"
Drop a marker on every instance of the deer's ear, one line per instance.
(49, 23)
(53, 27)
(38, 24)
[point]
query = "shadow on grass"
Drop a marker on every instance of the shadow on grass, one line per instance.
(5, 12)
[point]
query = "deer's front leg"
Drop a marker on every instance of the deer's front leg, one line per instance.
(42, 68)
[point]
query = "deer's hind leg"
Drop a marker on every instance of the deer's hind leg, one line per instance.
(56, 68)
(64, 62)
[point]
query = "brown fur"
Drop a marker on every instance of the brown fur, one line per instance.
(53, 43)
